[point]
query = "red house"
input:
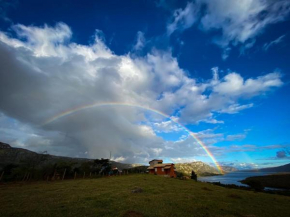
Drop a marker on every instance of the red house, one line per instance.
(159, 168)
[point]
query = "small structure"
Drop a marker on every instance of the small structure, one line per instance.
(157, 167)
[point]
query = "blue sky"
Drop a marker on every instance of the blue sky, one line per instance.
(221, 69)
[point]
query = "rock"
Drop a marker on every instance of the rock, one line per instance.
(137, 190)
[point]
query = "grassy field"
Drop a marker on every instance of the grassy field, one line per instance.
(273, 181)
(113, 196)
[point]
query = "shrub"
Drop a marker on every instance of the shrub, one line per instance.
(255, 184)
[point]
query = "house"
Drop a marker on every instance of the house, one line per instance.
(159, 168)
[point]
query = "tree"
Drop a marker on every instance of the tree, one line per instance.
(255, 184)
(193, 175)
(103, 165)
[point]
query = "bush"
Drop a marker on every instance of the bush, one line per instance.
(256, 185)
(179, 174)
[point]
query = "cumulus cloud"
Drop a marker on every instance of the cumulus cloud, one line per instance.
(43, 73)
(167, 127)
(234, 85)
(235, 108)
(235, 22)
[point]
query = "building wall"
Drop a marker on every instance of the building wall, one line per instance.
(151, 171)
(170, 172)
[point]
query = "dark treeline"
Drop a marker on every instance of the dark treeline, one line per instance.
(38, 167)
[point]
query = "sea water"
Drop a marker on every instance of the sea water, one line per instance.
(233, 177)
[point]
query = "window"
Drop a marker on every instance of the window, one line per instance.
(162, 169)
(155, 169)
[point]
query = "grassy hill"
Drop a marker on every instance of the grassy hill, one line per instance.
(159, 196)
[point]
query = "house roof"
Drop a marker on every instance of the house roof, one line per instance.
(166, 166)
(161, 165)
(156, 160)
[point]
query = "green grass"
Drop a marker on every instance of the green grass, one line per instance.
(113, 197)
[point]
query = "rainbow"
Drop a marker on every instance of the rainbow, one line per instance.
(103, 104)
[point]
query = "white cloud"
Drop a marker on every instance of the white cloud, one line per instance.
(141, 41)
(235, 137)
(43, 73)
(241, 165)
(272, 43)
(235, 22)
(235, 108)
(119, 159)
(167, 127)
(182, 18)
(234, 85)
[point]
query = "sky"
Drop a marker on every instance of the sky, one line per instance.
(184, 81)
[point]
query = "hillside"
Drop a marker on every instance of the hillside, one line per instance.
(283, 168)
(10, 155)
(200, 168)
(278, 180)
(156, 196)
(228, 169)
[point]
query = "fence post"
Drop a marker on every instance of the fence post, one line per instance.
(75, 175)
(64, 174)
(24, 177)
(2, 174)
(53, 178)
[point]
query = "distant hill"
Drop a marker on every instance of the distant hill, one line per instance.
(283, 168)
(10, 155)
(229, 169)
(200, 168)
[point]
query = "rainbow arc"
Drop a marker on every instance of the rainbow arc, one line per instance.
(88, 106)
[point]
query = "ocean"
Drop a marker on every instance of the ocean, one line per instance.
(232, 178)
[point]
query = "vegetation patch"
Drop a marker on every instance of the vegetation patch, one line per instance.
(113, 197)
(236, 196)
(272, 181)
